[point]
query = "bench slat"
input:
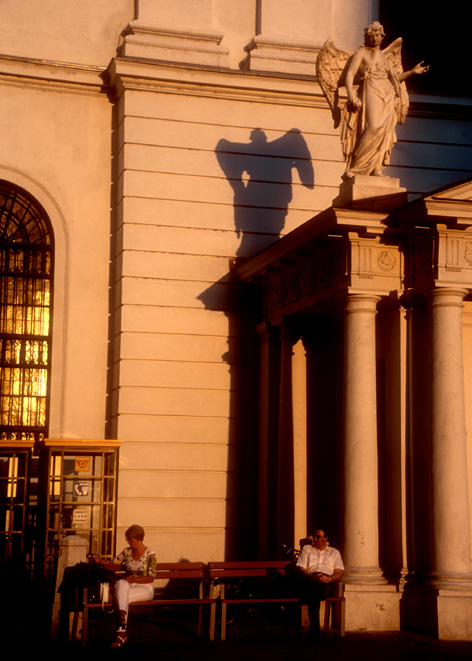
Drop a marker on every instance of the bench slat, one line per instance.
(156, 602)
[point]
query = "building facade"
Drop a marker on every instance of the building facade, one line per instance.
(167, 179)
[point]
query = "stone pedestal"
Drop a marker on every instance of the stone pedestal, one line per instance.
(371, 193)
(443, 614)
(372, 608)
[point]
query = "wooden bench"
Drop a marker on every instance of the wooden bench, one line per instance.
(173, 570)
(221, 573)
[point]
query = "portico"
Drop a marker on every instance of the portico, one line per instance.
(360, 321)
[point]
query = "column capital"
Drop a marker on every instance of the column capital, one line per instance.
(447, 296)
(361, 302)
(265, 331)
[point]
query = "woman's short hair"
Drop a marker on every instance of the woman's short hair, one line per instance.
(136, 532)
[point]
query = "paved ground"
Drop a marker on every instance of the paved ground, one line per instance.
(170, 636)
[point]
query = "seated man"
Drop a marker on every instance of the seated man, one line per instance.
(318, 570)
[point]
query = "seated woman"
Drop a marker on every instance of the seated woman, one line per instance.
(139, 563)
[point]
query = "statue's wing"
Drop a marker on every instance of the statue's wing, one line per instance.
(330, 66)
(393, 53)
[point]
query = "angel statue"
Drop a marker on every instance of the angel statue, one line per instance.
(376, 98)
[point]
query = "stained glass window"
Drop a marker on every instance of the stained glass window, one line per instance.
(25, 305)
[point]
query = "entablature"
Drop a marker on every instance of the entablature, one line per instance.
(340, 251)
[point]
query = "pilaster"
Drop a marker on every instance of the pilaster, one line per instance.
(286, 38)
(174, 32)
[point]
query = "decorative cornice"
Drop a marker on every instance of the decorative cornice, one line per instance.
(149, 75)
(191, 79)
(22, 71)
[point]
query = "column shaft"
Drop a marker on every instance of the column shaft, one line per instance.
(285, 476)
(451, 520)
(361, 528)
(269, 375)
(299, 415)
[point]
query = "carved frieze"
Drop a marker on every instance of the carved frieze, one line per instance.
(305, 279)
(439, 257)
(374, 265)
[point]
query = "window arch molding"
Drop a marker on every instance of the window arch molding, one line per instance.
(56, 218)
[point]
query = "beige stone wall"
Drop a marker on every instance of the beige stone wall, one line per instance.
(56, 145)
(178, 329)
(85, 33)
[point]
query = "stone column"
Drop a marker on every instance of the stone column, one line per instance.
(285, 475)
(299, 417)
(361, 531)
(269, 374)
(451, 520)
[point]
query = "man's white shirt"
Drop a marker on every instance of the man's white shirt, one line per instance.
(314, 560)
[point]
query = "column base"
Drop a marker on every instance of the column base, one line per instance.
(443, 614)
(372, 607)
(282, 56)
(363, 576)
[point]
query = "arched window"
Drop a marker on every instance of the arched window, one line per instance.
(26, 267)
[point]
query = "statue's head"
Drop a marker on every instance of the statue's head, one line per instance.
(373, 34)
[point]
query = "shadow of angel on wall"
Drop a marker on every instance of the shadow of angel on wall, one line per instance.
(260, 173)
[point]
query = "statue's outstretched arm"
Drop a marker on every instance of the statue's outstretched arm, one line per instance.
(418, 69)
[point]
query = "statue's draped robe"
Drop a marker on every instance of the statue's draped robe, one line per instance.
(368, 135)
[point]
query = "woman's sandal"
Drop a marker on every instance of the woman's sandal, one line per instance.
(120, 639)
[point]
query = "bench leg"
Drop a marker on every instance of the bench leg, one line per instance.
(211, 628)
(84, 626)
(75, 625)
(199, 622)
(223, 621)
(343, 619)
(305, 620)
(327, 613)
